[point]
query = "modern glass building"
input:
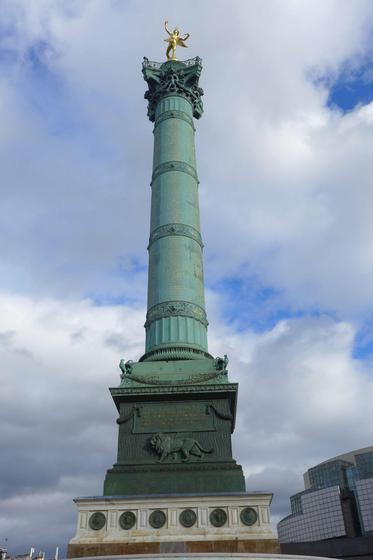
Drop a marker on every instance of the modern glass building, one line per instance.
(337, 500)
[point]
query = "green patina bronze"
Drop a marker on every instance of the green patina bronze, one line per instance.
(157, 519)
(176, 319)
(97, 521)
(249, 516)
(176, 404)
(127, 520)
(188, 517)
(218, 517)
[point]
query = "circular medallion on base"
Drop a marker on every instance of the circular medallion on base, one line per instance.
(218, 517)
(187, 518)
(249, 516)
(127, 520)
(97, 521)
(157, 519)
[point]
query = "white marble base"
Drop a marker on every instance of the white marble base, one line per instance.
(173, 530)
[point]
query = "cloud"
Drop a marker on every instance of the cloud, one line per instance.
(57, 428)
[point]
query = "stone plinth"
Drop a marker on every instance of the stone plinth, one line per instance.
(176, 523)
(180, 402)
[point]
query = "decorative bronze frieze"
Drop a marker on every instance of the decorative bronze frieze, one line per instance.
(193, 379)
(180, 449)
(175, 308)
(175, 229)
(174, 166)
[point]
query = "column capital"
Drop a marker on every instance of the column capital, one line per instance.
(173, 78)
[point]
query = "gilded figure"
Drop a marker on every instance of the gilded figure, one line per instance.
(174, 40)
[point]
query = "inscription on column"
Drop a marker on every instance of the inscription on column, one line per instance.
(180, 417)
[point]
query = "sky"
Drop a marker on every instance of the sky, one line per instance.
(284, 153)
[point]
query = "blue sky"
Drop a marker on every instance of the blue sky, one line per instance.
(286, 199)
(352, 88)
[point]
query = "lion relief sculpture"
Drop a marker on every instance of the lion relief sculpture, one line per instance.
(165, 445)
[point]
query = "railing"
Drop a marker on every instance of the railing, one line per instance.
(151, 64)
(156, 65)
(192, 61)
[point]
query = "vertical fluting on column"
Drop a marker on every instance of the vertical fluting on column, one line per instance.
(176, 323)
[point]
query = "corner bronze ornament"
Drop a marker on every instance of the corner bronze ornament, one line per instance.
(174, 40)
(125, 367)
(135, 410)
(165, 445)
(221, 364)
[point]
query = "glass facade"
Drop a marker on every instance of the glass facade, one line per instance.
(364, 464)
(338, 500)
(296, 503)
(329, 474)
(321, 518)
(364, 494)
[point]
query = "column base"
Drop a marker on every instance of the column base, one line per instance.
(175, 479)
(109, 526)
(173, 352)
(269, 546)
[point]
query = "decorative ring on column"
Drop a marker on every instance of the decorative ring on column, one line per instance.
(174, 166)
(174, 114)
(175, 229)
(249, 516)
(188, 517)
(97, 521)
(127, 520)
(174, 309)
(218, 517)
(157, 518)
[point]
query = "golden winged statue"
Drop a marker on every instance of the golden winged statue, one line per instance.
(173, 41)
